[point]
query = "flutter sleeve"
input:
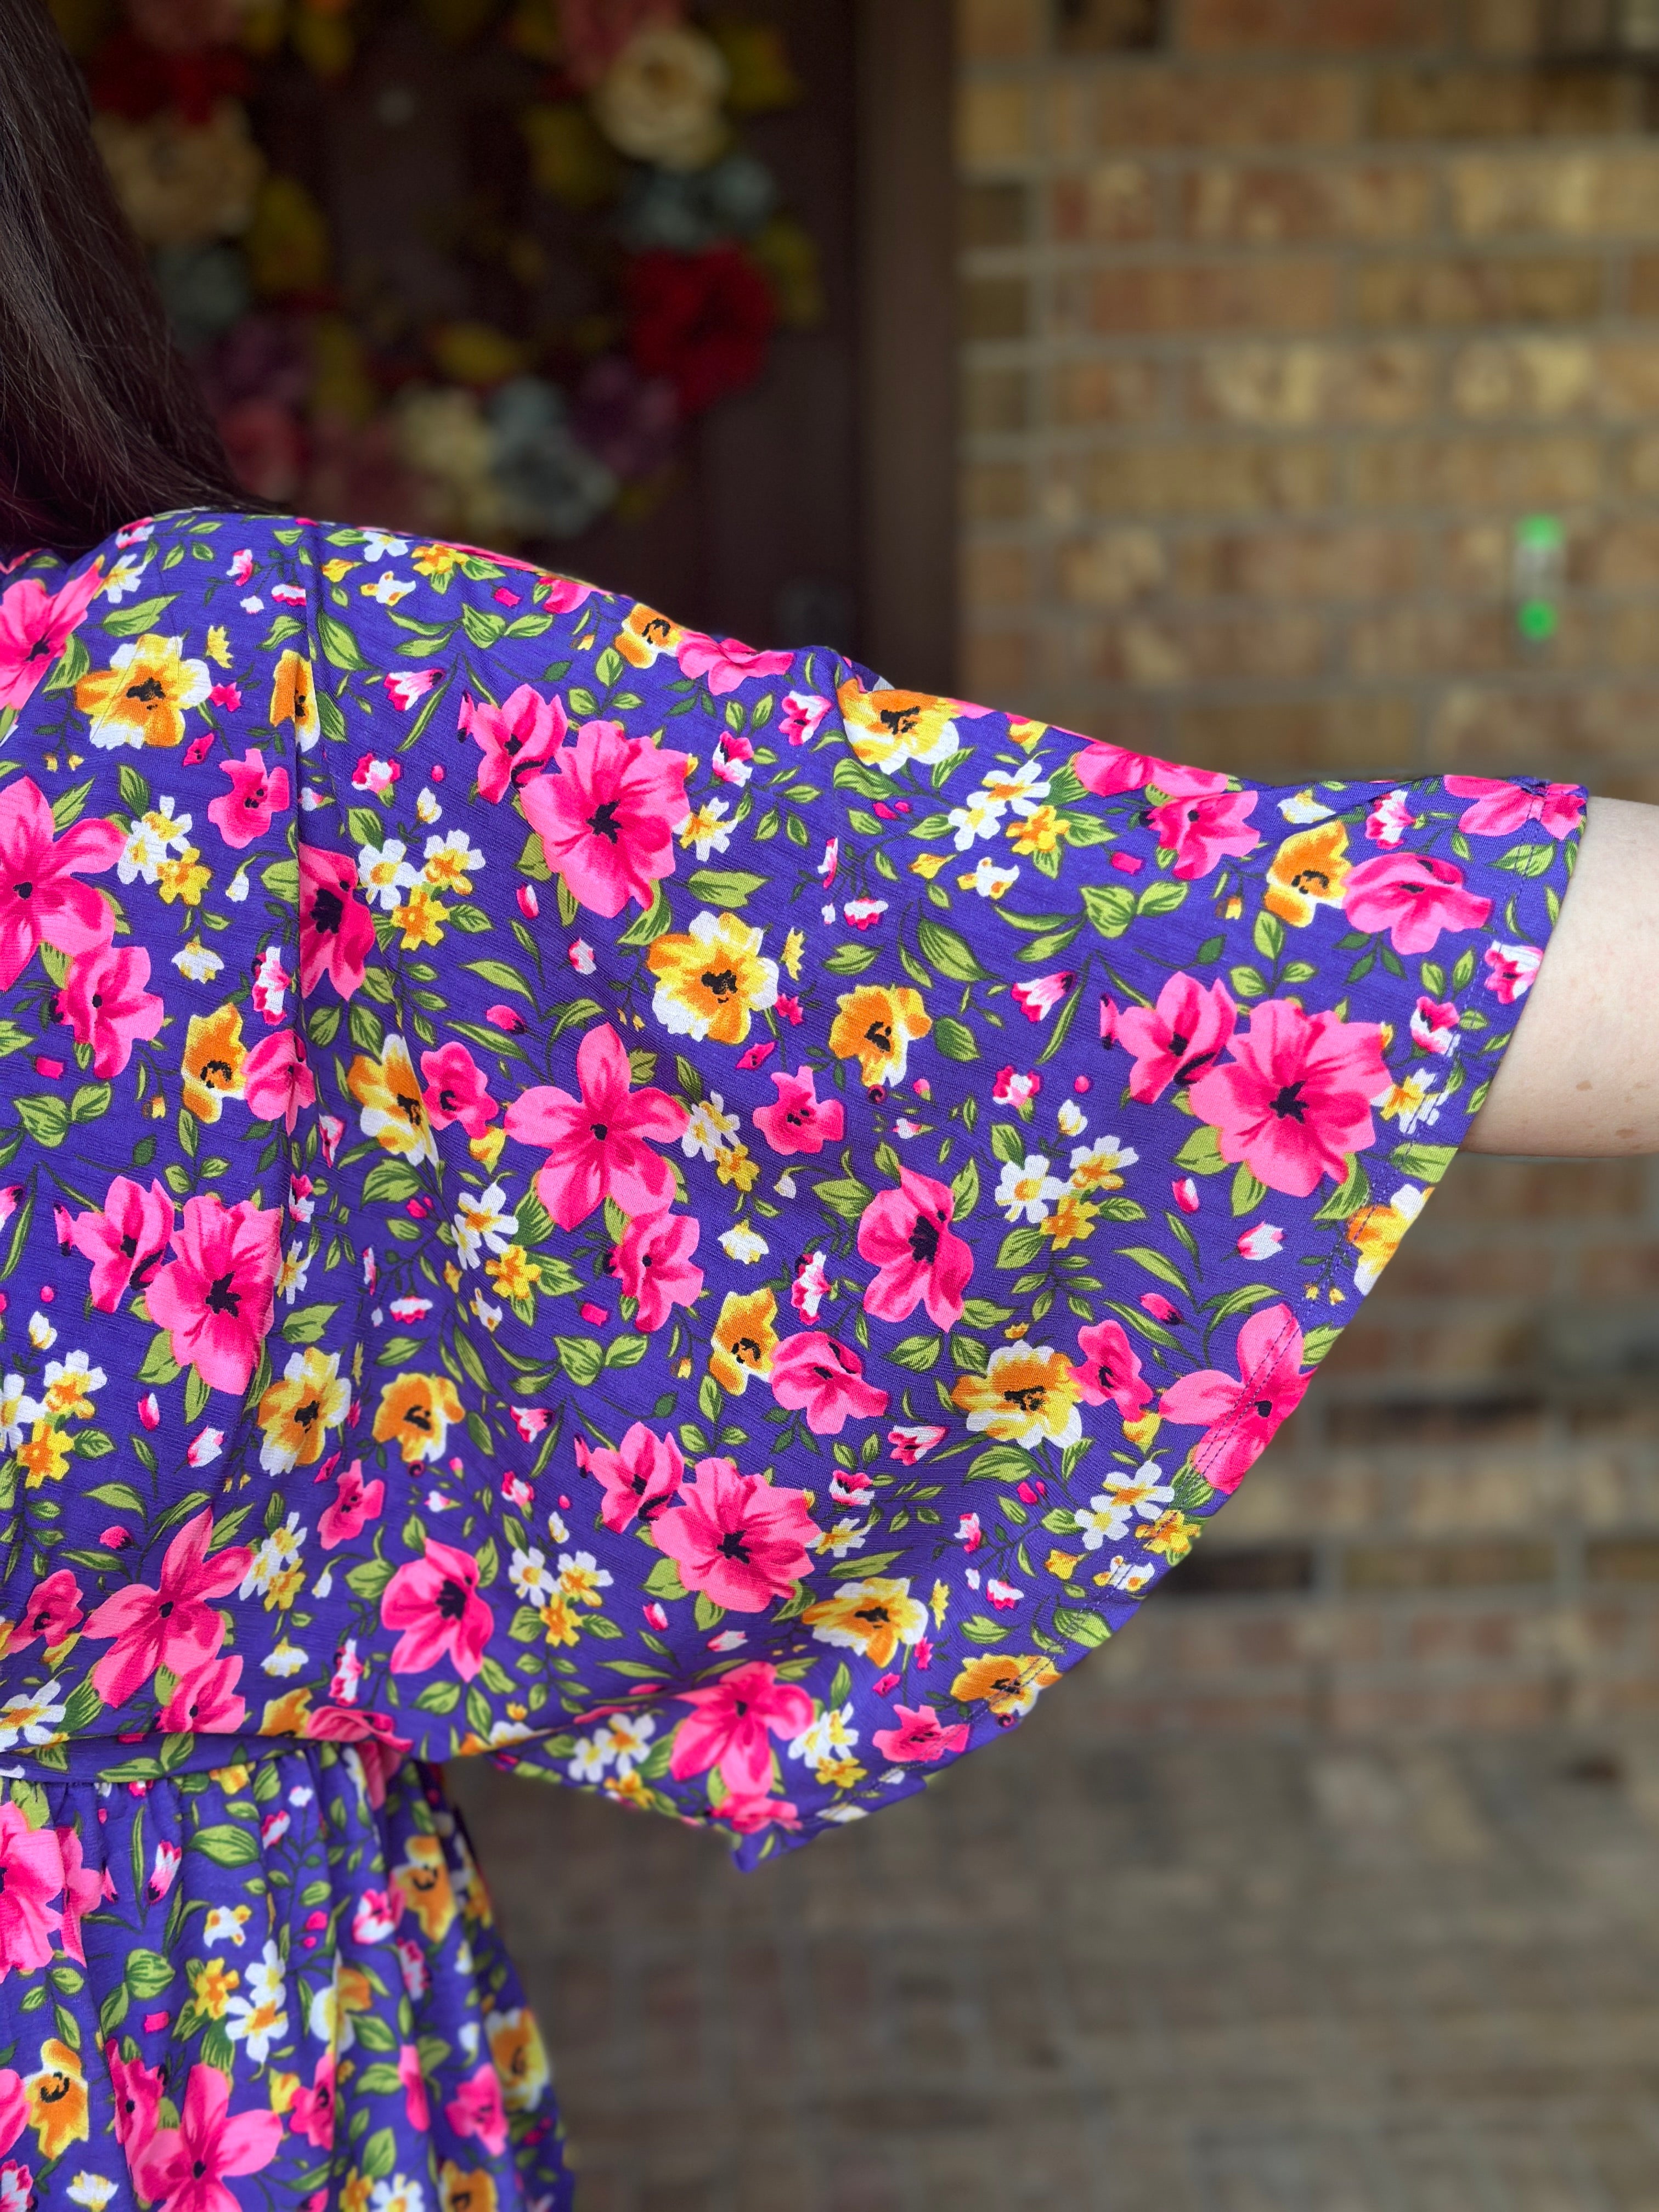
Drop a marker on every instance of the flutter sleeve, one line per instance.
(848, 1182)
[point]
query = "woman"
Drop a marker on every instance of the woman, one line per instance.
(677, 1215)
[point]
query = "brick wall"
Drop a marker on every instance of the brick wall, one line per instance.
(1278, 317)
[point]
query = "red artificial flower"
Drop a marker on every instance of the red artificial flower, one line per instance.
(702, 321)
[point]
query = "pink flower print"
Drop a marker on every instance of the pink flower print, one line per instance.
(41, 900)
(1414, 897)
(406, 685)
(920, 1738)
(737, 1538)
(1176, 1040)
(1043, 994)
(599, 1145)
(733, 759)
(434, 1603)
(1434, 1026)
(907, 1233)
(276, 1079)
(638, 1478)
(476, 2109)
(1512, 970)
(799, 1122)
(187, 2167)
(243, 813)
(505, 1018)
(215, 1296)
(1265, 1241)
(456, 1089)
(1108, 770)
(105, 1004)
(31, 1880)
(1240, 1412)
(52, 1613)
(1294, 1102)
(1155, 1303)
(731, 1724)
(176, 1625)
(126, 1242)
(355, 1505)
(1500, 809)
(206, 1702)
(1389, 820)
(137, 2091)
(1011, 1088)
(606, 815)
(336, 931)
(85, 1888)
(1205, 831)
(724, 663)
(802, 716)
(515, 739)
(375, 775)
(561, 594)
(654, 1265)
(312, 2113)
(35, 627)
(1106, 1369)
(913, 1440)
(813, 1373)
(810, 1285)
(416, 2110)
(271, 985)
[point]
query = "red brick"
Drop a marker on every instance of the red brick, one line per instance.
(1311, 26)
(1285, 387)
(1213, 477)
(1171, 107)
(1114, 390)
(1332, 563)
(1109, 203)
(1280, 204)
(1557, 469)
(1169, 297)
(1487, 103)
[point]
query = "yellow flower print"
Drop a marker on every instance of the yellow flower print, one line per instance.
(461, 2190)
(215, 1057)
(393, 1111)
(515, 1274)
(1029, 1395)
(435, 560)
(928, 866)
(141, 697)
(422, 917)
(1071, 1221)
(1039, 831)
(744, 1339)
(183, 876)
(57, 2100)
(1376, 1230)
(520, 2061)
(213, 1988)
(354, 2192)
(1172, 1535)
(1007, 1684)
(292, 698)
(560, 1620)
(296, 1414)
(415, 1413)
(423, 1882)
(886, 729)
(736, 1163)
(1307, 872)
(793, 946)
(877, 1026)
(218, 644)
(44, 1457)
(645, 634)
(287, 1715)
(873, 1617)
(711, 979)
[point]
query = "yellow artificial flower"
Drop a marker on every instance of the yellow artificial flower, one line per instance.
(876, 1026)
(57, 2101)
(711, 979)
(874, 1617)
(293, 699)
(215, 1057)
(141, 697)
(1028, 1394)
(393, 1111)
(520, 2059)
(1007, 1684)
(44, 1458)
(296, 1414)
(422, 1881)
(1307, 872)
(421, 917)
(744, 1339)
(886, 728)
(415, 1413)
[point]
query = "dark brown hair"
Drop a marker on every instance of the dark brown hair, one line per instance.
(101, 421)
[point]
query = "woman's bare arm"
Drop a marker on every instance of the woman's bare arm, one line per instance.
(1582, 1076)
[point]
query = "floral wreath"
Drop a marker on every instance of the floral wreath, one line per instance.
(629, 115)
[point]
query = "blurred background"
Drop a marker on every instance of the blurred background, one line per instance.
(1272, 384)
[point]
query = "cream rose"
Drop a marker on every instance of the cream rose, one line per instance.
(660, 99)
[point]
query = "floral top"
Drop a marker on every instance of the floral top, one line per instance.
(671, 1212)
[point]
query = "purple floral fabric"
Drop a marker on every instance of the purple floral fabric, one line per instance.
(675, 1215)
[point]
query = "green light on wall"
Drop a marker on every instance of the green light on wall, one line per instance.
(1537, 576)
